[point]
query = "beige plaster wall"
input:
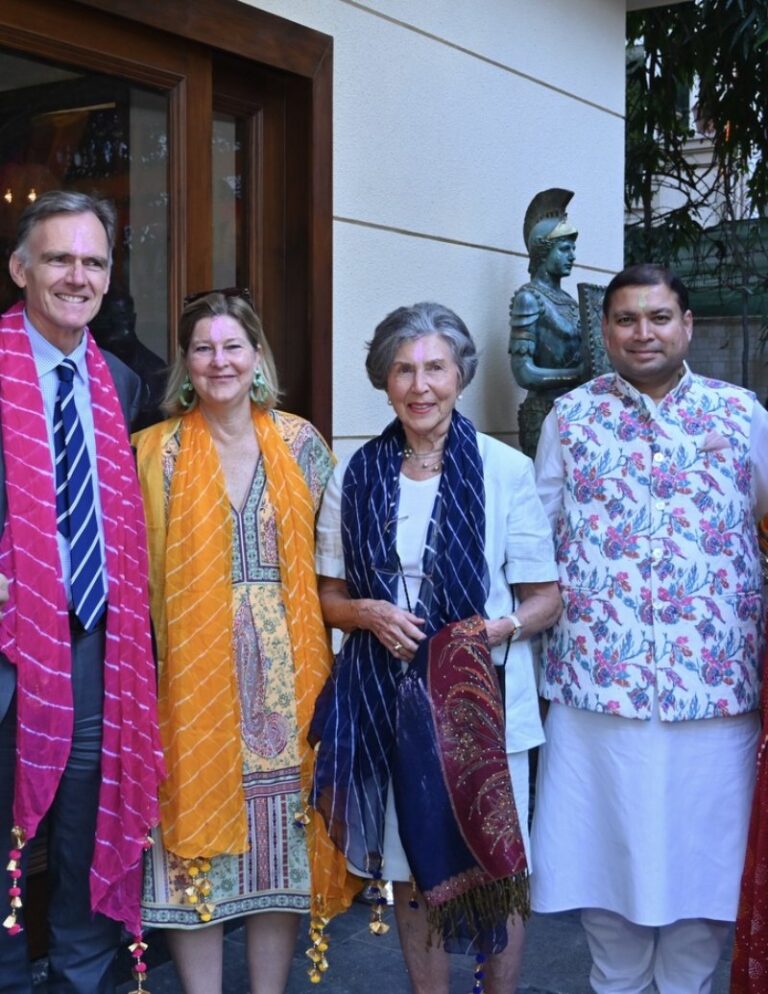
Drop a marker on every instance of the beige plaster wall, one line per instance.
(448, 116)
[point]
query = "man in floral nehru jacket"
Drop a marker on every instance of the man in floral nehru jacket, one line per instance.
(653, 478)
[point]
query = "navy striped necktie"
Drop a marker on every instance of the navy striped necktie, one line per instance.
(75, 508)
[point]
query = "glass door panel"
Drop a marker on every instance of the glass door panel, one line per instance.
(230, 248)
(66, 129)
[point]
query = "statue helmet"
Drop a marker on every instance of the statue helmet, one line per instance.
(545, 220)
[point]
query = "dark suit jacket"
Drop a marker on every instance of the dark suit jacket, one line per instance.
(128, 386)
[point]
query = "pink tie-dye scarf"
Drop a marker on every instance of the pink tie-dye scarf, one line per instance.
(34, 633)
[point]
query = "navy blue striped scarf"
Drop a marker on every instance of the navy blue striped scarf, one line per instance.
(354, 720)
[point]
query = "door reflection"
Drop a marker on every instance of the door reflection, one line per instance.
(97, 134)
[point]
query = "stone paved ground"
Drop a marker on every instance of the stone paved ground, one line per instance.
(556, 961)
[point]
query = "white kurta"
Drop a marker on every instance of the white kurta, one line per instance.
(644, 818)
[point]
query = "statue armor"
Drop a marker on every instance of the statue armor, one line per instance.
(545, 333)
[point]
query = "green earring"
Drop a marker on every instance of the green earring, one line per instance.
(187, 393)
(259, 390)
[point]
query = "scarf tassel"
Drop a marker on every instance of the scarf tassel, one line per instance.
(481, 909)
(11, 923)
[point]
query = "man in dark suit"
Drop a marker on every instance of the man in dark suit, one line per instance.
(52, 766)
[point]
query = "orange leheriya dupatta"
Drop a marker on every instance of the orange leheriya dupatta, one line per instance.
(202, 802)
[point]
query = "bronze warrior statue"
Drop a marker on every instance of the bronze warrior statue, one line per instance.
(545, 342)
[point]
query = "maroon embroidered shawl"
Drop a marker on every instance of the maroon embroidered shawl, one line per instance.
(453, 793)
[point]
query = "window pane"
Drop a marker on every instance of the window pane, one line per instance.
(229, 243)
(63, 129)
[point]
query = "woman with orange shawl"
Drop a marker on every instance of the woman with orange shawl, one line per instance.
(749, 971)
(231, 488)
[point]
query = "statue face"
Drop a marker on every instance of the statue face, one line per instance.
(560, 258)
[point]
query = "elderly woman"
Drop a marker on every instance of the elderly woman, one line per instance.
(429, 525)
(231, 488)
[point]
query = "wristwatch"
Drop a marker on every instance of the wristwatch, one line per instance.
(517, 631)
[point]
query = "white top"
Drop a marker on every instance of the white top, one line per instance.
(518, 549)
(417, 498)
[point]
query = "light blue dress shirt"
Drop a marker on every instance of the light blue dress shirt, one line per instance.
(47, 357)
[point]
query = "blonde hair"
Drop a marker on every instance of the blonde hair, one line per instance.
(219, 304)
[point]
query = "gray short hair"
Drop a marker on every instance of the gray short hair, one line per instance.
(64, 202)
(406, 324)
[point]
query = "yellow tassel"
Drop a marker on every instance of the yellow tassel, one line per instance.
(318, 949)
(11, 922)
(199, 891)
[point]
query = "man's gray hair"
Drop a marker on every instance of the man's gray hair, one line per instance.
(406, 324)
(64, 202)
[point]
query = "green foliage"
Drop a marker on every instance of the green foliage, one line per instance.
(719, 50)
(656, 128)
(734, 87)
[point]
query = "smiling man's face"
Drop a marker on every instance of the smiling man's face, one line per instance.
(63, 268)
(647, 337)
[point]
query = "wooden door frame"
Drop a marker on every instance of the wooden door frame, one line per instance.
(231, 27)
(240, 29)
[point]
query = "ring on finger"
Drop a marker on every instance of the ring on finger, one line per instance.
(397, 646)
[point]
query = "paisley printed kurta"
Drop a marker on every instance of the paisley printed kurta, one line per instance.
(657, 552)
(274, 874)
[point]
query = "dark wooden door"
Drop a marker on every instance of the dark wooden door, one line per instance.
(206, 59)
(197, 65)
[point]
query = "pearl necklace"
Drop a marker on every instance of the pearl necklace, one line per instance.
(421, 462)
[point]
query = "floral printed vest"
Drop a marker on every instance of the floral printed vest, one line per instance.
(657, 551)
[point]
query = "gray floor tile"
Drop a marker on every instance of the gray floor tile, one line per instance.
(556, 961)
